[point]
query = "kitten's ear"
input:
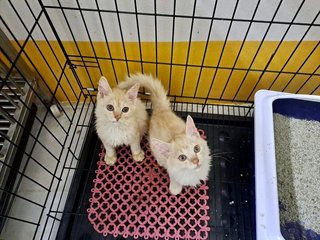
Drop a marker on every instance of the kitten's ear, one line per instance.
(191, 129)
(104, 87)
(133, 92)
(162, 147)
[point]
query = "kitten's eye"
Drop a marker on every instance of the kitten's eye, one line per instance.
(196, 148)
(182, 157)
(110, 107)
(125, 109)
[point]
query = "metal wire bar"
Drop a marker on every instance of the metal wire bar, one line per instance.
(13, 121)
(172, 45)
(106, 40)
(69, 148)
(35, 138)
(279, 44)
(185, 16)
(318, 87)
(189, 44)
(221, 54)
(92, 166)
(55, 173)
(156, 35)
(71, 162)
(31, 112)
(206, 48)
(199, 66)
(19, 196)
(240, 50)
(28, 154)
(38, 48)
(86, 96)
(61, 44)
(88, 34)
(21, 48)
(306, 81)
(25, 79)
(291, 55)
(53, 52)
(24, 175)
(139, 39)
(257, 51)
(304, 62)
(122, 39)
(61, 173)
(18, 219)
(296, 47)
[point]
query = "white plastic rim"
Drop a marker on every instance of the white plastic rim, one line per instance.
(267, 204)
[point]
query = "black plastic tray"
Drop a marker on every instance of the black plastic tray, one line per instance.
(231, 183)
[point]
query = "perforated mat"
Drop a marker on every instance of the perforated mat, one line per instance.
(133, 199)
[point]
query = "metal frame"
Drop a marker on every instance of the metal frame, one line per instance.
(80, 115)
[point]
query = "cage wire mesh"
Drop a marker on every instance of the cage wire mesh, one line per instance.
(212, 56)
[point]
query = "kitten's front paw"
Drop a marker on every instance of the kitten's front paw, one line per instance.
(110, 160)
(175, 189)
(138, 157)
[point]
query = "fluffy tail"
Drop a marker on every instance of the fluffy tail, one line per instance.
(158, 93)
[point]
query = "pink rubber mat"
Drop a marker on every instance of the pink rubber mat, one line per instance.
(133, 199)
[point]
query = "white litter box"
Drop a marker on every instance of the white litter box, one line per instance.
(267, 103)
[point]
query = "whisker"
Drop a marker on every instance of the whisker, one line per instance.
(219, 153)
(224, 158)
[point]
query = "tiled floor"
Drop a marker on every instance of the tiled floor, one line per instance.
(23, 209)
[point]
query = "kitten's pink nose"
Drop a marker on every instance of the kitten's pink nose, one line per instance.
(117, 116)
(195, 161)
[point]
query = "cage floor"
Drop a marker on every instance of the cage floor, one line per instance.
(231, 182)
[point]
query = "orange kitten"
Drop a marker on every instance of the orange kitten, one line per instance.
(121, 118)
(176, 144)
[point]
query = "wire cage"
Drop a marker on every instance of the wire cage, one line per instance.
(211, 56)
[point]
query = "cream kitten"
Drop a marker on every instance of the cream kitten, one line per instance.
(121, 118)
(176, 145)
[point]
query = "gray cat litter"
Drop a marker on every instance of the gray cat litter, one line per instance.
(297, 145)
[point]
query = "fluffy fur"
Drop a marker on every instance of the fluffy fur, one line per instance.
(121, 118)
(174, 143)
